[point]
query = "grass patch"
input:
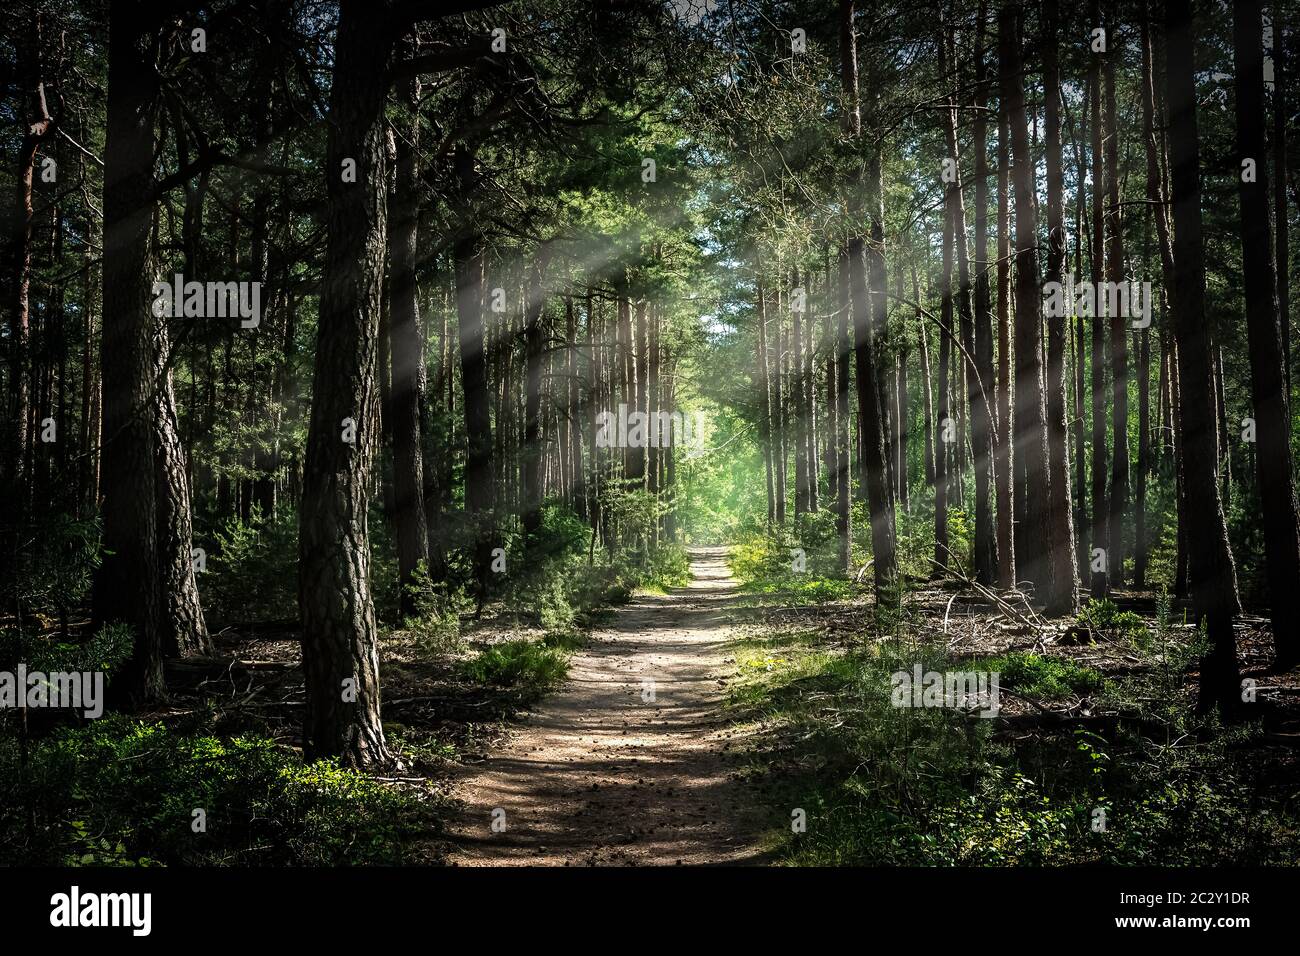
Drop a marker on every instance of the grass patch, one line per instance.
(901, 786)
(533, 667)
(1045, 678)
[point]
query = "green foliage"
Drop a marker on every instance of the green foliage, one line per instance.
(51, 571)
(530, 666)
(1103, 617)
(104, 651)
(764, 563)
(905, 787)
(1042, 677)
(122, 792)
(253, 570)
(438, 608)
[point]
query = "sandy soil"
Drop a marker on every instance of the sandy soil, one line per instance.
(602, 775)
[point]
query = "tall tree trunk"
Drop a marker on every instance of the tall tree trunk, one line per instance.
(182, 628)
(1004, 461)
(809, 379)
(126, 583)
(981, 446)
(1267, 378)
(36, 126)
(1281, 228)
(801, 496)
(1155, 195)
(340, 648)
(1064, 578)
(766, 433)
(873, 468)
(1033, 565)
(534, 351)
(902, 411)
(842, 439)
(1081, 525)
(480, 478)
(1119, 326)
(1100, 578)
(1213, 575)
(406, 338)
(944, 429)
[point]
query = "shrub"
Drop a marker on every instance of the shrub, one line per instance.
(531, 666)
(122, 792)
(1103, 617)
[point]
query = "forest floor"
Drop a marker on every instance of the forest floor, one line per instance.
(633, 761)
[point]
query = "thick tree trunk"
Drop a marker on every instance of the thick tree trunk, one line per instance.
(126, 583)
(873, 469)
(1281, 224)
(340, 639)
(1267, 378)
(878, 280)
(1213, 576)
(181, 624)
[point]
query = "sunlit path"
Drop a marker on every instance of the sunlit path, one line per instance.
(628, 763)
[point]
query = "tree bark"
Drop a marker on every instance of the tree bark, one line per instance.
(340, 640)
(1213, 575)
(1119, 326)
(985, 558)
(126, 582)
(1033, 565)
(1100, 579)
(1064, 577)
(406, 342)
(182, 628)
(480, 479)
(534, 351)
(1267, 377)
(1005, 454)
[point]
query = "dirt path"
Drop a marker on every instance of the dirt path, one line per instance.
(600, 776)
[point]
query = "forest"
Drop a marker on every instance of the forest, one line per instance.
(649, 432)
